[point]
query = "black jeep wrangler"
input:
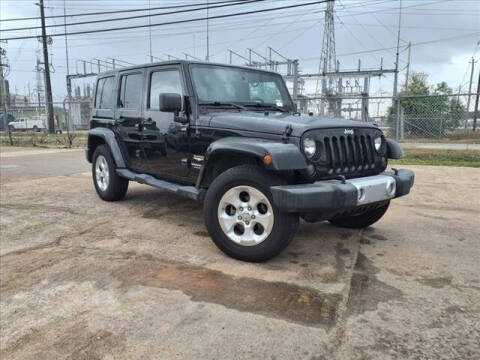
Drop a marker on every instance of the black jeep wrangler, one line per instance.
(231, 137)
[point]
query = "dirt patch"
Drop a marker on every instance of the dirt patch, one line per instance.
(280, 300)
(436, 283)
(366, 290)
(153, 214)
(273, 299)
(378, 237)
(66, 339)
(39, 207)
(201, 233)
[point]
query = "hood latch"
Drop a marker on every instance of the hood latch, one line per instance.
(287, 132)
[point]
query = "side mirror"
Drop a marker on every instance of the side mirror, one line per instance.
(170, 102)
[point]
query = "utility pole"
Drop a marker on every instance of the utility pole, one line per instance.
(407, 74)
(48, 84)
(207, 58)
(475, 113)
(399, 130)
(150, 30)
(469, 91)
(4, 96)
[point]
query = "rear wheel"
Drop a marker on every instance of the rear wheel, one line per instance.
(362, 220)
(242, 218)
(109, 186)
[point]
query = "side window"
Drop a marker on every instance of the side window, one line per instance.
(98, 93)
(104, 96)
(166, 81)
(131, 91)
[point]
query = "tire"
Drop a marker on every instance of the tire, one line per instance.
(360, 221)
(35, 128)
(266, 229)
(112, 187)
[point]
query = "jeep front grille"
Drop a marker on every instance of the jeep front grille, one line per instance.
(348, 155)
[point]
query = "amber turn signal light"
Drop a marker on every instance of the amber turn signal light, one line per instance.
(267, 159)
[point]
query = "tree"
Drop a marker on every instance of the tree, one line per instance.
(428, 111)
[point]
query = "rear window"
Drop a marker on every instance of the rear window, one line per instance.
(105, 93)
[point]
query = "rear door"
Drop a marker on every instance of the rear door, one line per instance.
(129, 120)
(166, 142)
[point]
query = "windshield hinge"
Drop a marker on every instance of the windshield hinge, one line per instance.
(287, 132)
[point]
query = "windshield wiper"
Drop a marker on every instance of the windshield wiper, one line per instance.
(271, 106)
(221, 103)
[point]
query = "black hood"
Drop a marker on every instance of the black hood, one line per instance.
(275, 123)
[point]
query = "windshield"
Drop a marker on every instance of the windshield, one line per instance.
(241, 86)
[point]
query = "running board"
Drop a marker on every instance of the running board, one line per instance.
(187, 191)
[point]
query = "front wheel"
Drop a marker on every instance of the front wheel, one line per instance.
(109, 186)
(241, 217)
(362, 220)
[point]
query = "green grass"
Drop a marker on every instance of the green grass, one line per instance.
(469, 158)
(40, 139)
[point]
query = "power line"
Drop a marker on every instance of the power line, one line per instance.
(174, 22)
(404, 46)
(194, 30)
(136, 16)
(119, 11)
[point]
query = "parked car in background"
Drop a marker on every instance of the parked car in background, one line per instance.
(10, 118)
(35, 124)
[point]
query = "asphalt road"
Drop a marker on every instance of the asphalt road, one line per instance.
(140, 279)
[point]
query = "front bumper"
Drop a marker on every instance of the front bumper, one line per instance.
(332, 196)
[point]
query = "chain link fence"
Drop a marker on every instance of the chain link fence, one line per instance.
(410, 118)
(420, 118)
(28, 124)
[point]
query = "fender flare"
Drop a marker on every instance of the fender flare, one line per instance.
(394, 150)
(284, 156)
(109, 137)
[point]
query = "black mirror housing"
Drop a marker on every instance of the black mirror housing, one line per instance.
(170, 102)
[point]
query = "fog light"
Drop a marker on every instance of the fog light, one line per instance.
(391, 188)
(361, 194)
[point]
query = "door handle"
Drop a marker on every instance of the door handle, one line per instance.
(129, 118)
(148, 121)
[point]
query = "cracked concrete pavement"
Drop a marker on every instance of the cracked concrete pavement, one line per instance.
(140, 278)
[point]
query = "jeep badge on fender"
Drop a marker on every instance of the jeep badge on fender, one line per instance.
(231, 137)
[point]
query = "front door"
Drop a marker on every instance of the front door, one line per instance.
(165, 141)
(129, 118)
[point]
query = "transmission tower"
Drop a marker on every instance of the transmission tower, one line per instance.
(328, 59)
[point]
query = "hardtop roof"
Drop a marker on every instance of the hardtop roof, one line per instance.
(178, 62)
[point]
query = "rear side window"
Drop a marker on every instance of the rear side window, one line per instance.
(98, 93)
(105, 93)
(131, 91)
(165, 81)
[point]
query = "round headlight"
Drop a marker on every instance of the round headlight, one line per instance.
(378, 143)
(309, 147)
